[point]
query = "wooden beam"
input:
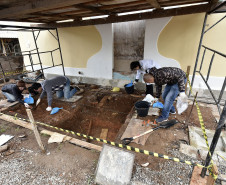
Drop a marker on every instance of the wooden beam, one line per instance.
(148, 15)
(67, 138)
(35, 130)
(76, 141)
(37, 6)
(154, 3)
(93, 9)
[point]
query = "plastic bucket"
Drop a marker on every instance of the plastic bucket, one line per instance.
(129, 89)
(142, 108)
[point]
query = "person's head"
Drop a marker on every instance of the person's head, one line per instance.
(36, 88)
(135, 65)
(21, 85)
(148, 78)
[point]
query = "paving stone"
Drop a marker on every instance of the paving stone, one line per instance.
(114, 166)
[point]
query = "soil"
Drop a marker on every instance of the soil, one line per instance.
(107, 110)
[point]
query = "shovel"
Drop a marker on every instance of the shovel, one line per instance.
(165, 124)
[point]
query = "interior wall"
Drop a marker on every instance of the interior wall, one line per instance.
(87, 51)
(128, 44)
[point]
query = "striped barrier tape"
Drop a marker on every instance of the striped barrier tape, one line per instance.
(13, 72)
(130, 148)
(203, 130)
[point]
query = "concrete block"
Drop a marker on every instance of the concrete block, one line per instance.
(114, 166)
(188, 150)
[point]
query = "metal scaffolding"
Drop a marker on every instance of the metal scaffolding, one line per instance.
(30, 53)
(221, 123)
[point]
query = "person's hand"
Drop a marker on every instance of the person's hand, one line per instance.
(156, 99)
(38, 101)
(49, 108)
(26, 105)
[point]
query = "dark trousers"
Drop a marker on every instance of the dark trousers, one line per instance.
(149, 89)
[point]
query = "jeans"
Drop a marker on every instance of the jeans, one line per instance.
(9, 96)
(169, 95)
(66, 92)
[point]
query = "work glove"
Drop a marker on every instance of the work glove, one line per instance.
(38, 101)
(49, 108)
(26, 105)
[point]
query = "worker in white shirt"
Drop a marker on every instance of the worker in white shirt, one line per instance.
(142, 67)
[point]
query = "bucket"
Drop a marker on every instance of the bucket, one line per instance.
(129, 89)
(142, 108)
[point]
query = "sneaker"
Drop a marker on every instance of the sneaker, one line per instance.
(160, 119)
(173, 112)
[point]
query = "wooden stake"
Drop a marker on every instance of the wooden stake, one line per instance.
(188, 73)
(89, 130)
(37, 136)
(189, 115)
(210, 179)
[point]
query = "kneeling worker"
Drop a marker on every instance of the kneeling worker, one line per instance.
(13, 92)
(60, 85)
(175, 79)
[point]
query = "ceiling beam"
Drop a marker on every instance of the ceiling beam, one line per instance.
(93, 9)
(37, 6)
(215, 4)
(154, 3)
(148, 15)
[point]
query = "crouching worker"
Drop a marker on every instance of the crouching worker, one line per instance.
(13, 92)
(175, 80)
(60, 85)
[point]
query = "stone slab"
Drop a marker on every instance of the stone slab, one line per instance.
(114, 166)
(153, 111)
(197, 140)
(135, 128)
(72, 100)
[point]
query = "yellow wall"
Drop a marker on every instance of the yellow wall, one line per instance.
(180, 39)
(78, 44)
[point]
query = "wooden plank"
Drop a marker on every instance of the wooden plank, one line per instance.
(67, 138)
(104, 134)
(35, 130)
(154, 3)
(37, 6)
(16, 121)
(89, 130)
(196, 178)
(142, 16)
(75, 141)
(210, 179)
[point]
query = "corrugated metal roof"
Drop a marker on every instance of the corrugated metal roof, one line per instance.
(8, 34)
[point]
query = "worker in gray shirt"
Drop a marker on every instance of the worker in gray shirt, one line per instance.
(60, 85)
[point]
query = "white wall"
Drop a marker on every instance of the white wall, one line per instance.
(152, 32)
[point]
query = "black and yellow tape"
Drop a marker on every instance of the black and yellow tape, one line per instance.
(130, 148)
(13, 72)
(203, 130)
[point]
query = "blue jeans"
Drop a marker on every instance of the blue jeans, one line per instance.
(169, 95)
(9, 96)
(66, 92)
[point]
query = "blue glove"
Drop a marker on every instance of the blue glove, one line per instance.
(158, 105)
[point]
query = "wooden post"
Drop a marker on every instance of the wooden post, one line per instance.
(37, 136)
(89, 130)
(189, 115)
(188, 73)
(210, 179)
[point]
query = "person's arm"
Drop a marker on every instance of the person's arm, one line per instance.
(49, 96)
(138, 75)
(158, 90)
(181, 84)
(17, 94)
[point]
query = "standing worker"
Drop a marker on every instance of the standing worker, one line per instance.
(60, 85)
(143, 67)
(13, 92)
(175, 79)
